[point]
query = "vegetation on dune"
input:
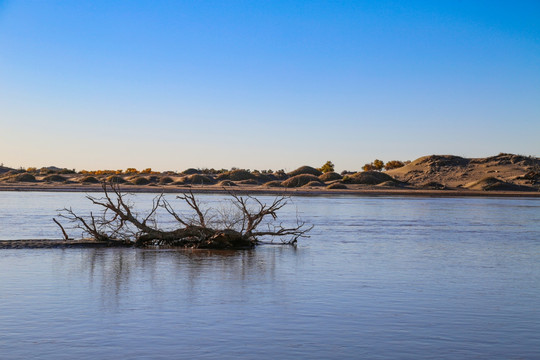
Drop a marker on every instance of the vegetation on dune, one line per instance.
(330, 176)
(491, 183)
(249, 182)
(299, 180)
(367, 178)
(273, 183)
(337, 186)
(4, 169)
(433, 185)
(153, 178)
(198, 179)
(517, 172)
(25, 177)
(89, 180)
(140, 180)
(116, 179)
(166, 180)
(101, 172)
(327, 167)
(377, 165)
(224, 183)
(191, 171)
(393, 164)
(236, 175)
(314, 184)
(241, 225)
(54, 178)
(280, 175)
(308, 170)
(392, 184)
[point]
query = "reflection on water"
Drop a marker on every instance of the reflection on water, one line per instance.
(379, 278)
(117, 272)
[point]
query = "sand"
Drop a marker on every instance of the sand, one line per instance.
(433, 175)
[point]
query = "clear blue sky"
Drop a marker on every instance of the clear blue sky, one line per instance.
(265, 84)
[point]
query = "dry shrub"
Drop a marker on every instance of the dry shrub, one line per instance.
(299, 180)
(330, 176)
(274, 183)
(433, 185)
(197, 179)
(236, 175)
(305, 170)
(22, 178)
(4, 169)
(139, 180)
(314, 184)
(491, 183)
(89, 179)
(54, 178)
(191, 171)
(249, 182)
(116, 179)
(336, 186)
(13, 172)
(166, 180)
(367, 178)
(394, 184)
(226, 183)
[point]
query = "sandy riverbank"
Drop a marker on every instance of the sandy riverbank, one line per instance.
(353, 190)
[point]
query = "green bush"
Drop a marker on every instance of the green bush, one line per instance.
(327, 167)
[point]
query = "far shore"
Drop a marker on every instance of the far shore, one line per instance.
(358, 190)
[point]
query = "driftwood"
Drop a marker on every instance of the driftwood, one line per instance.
(237, 228)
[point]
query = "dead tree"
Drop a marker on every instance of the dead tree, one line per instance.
(247, 221)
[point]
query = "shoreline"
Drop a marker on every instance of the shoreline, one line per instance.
(258, 190)
(59, 244)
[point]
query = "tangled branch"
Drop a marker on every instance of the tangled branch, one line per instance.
(201, 228)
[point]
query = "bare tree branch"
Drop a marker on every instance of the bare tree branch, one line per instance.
(207, 228)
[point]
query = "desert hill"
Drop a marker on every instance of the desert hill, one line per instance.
(508, 170)
(4, 169)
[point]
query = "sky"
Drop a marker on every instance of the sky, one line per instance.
(265, 84)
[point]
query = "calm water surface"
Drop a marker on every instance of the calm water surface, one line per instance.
(380, 278)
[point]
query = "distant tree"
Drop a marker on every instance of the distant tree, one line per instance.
(393, 164)
(327, 167)
(368, 167)
(378, 164)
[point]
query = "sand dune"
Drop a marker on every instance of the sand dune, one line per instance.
(458, 172)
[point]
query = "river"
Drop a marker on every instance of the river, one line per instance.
(379, 278)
